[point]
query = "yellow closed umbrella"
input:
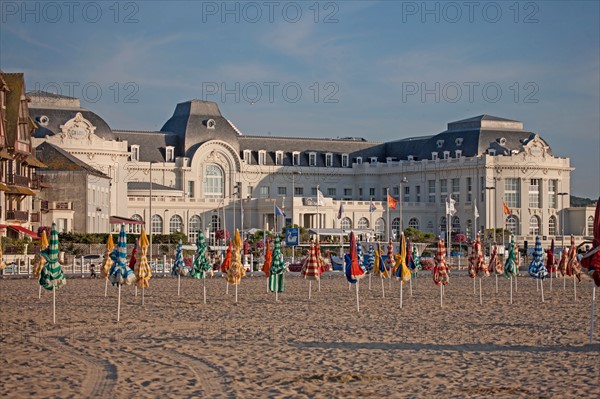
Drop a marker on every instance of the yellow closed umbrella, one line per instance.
(236, 270)
(142, 269)
(39, 261)
(107, 262)
(400, 268)
(2, 262)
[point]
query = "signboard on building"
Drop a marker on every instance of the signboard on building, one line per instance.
(292, 236)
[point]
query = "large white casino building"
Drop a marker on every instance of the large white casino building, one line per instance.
(204, 171)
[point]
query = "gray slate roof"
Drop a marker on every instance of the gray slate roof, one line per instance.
(58, 159)
(59, 116)
(152, 144)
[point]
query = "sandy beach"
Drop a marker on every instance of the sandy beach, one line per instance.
(179, 347)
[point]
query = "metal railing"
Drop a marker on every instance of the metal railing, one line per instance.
(17, 215)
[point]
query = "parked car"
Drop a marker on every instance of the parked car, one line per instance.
(88, 260)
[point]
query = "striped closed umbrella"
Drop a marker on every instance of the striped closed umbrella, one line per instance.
(236, 271)
(471, 259)
(480, 265)
(400, 269)
(510, 265)
(353, 270)
(107, 262)
(179, 268)
(416, 257)
(537, 269)
(379, 268)
(562, 263)
(370, 261)
(440, 270)
(39, 260)
(201, 265)
(277, 269)
(361, 256)
(495, 265)
(573, 266)
(120, 273)
(51, 275)
(142, 269)
(390, 256)
(311, 270)
(551, 259)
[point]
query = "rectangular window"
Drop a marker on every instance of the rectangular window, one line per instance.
(262, 157)
(312, 159)
(170, 154)
(331, 192)
(534, 193)
(396, 191)
(431, 190)
(434, 156)
(373, 160)
(406, 194)
(372, 191)
(443, 190)
(190, 191)
(383, 192)
(263, 192)
(469, 189)
(418, 192)
(296, 158)
(347, 192)
(512, 192)
(482, 188)
(299, 190)
(248, 156)
(552, 191)
(313, 191)
(250, 190)
(279, 158)
(359, 160)
(135, 152)
(345, 159)
(329, 159)
(456, 189)
(281, 190)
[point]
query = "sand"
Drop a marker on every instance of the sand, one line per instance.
(178, 347)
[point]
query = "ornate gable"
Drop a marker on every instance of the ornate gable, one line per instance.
(77, 128)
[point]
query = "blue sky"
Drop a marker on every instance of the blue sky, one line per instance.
(382, 70)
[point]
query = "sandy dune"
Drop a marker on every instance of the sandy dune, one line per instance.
(300, 348)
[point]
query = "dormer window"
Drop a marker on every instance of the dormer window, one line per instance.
(296, 158)
(458, 153)
(446, 154)
(211, 124)
(169, 154)
(373, 160)
(501, 141)
(411, 157)
(434, 156)
(440, 143)
(312, 159)
(329, 159)
(491, 151)
(389, 160)
(135, 152)
(345, 159)
(359, 160)
(248, 156)
(278, 157)
(262, 157)
(458, 141)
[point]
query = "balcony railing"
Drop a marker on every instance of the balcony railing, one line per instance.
(34, 217)
(17, 215)
(18, 180)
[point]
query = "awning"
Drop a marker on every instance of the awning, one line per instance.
(20, 190)
(3, 187)
(337, 232)
(122, 220)
(23, 230)
(33, 161)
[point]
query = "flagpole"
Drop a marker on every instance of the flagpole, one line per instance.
(387, 237)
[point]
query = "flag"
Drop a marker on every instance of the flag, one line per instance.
(278, 211)
(476, 212)
(372, 207)
(320, 195)
(450, 209)
(506, 209)
(391, 201)
(341, 210)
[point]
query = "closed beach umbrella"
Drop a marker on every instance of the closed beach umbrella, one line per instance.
(510, 265)
(471, 261)
(38, 260)
(2, 262)
(390, 261)
(591, 259)
(268, 260)
(495, 265)
(551, 262)
(353, 270)
(142, 269)
(400, 269)
(370, 260)
(573, 266)
(201, 266)
(179, 268)
(379, 267)
(537, 269)
(51, 275)
(562, 263)
(361, 256)
(480, 265)
(277, 269)
(440, 270)
(227, 261)
(133, 258)
(120, 273)
(236, 271)
(107, 262)
(312, 267)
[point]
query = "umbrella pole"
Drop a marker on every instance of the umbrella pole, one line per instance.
(496, 283)
(382, 288)
(441, 295)
(410, 285)
(40, 292)
(537, 284)
(277, 289)
(369, 281)
(349, 286)
(516, 284)
(564, 282)
(119, 305)
(480, 295)
(542, 289)
(474, 289)
(309, 288)
(575, 288)
(178, 284)
(511, 300)
(54, 306)
(550, 280)
(357, 300)
(227, 287)
(401, 295)
(135, 290)
(592, 318)
(319, 283)
(106, 288)
(142, 296)
(204, 288)
(267, 285)
(236, 294)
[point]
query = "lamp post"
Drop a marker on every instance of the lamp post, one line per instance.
(294, 193)
(404, 180)
(150, 212)
(562, 217)
(493, 214)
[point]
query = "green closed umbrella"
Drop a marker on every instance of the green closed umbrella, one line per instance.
(51, 276)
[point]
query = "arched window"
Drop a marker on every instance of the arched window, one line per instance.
(443, 224)
(552, 225)
(157, 224)
(213, 182)
(380, 228)
(534, 225)
(456, 224)
(590, 225)
(396, 227)
(363, 223)
(470, 231)
(346, 224)
(175, 224)
(512, 224)
(414, 223)
(194, 225)
(136, 228)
